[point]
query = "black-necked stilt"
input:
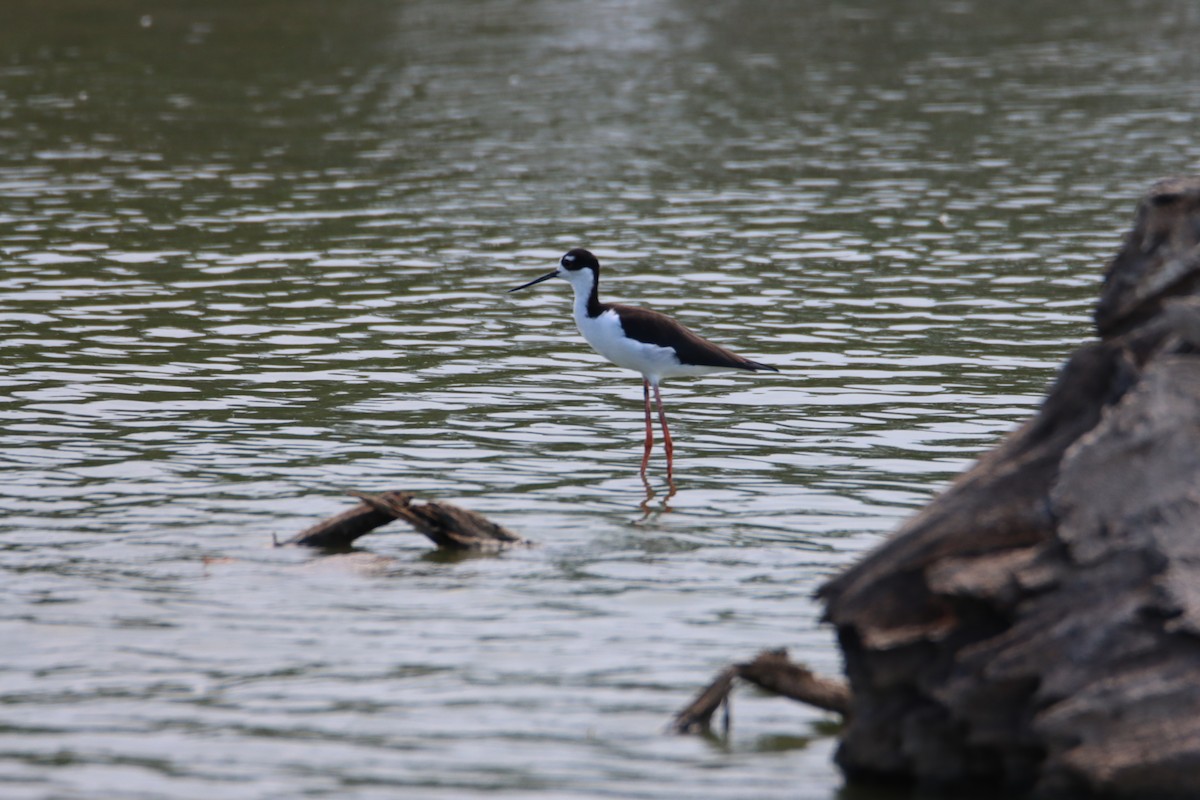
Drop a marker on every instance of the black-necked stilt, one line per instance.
(641, 340)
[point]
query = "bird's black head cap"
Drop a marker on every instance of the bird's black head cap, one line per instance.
(580, 259)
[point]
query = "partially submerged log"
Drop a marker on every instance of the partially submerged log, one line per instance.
(1037, 626)
(448, 526)
(773, 671)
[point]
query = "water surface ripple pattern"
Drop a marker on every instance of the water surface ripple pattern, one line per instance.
(253, 256)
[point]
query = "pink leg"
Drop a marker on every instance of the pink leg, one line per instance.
(649, 428)
(662, 420)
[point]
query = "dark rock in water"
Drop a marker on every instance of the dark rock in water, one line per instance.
(1036, 628)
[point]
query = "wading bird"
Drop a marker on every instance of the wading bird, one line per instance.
(641, 340)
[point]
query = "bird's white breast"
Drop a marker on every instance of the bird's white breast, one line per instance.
(605, 335)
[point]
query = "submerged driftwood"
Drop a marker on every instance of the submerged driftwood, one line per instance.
(448, 526)
(773, 671)
(1037, 626)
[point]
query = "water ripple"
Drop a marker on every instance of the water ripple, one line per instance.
(245, 266)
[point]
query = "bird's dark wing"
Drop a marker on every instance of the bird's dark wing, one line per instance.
(652, 327)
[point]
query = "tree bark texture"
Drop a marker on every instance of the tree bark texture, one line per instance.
(1037, 626)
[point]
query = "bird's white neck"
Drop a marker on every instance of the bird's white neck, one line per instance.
(583, 283)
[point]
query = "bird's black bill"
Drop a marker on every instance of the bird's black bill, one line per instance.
(545, 277)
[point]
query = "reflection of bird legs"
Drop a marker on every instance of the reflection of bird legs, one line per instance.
(650, 493)
(645, 504)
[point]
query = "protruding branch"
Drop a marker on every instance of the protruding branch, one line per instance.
(773, 671)
(448, 526)
(697, 715)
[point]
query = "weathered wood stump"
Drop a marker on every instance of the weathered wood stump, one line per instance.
(1037, 626)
